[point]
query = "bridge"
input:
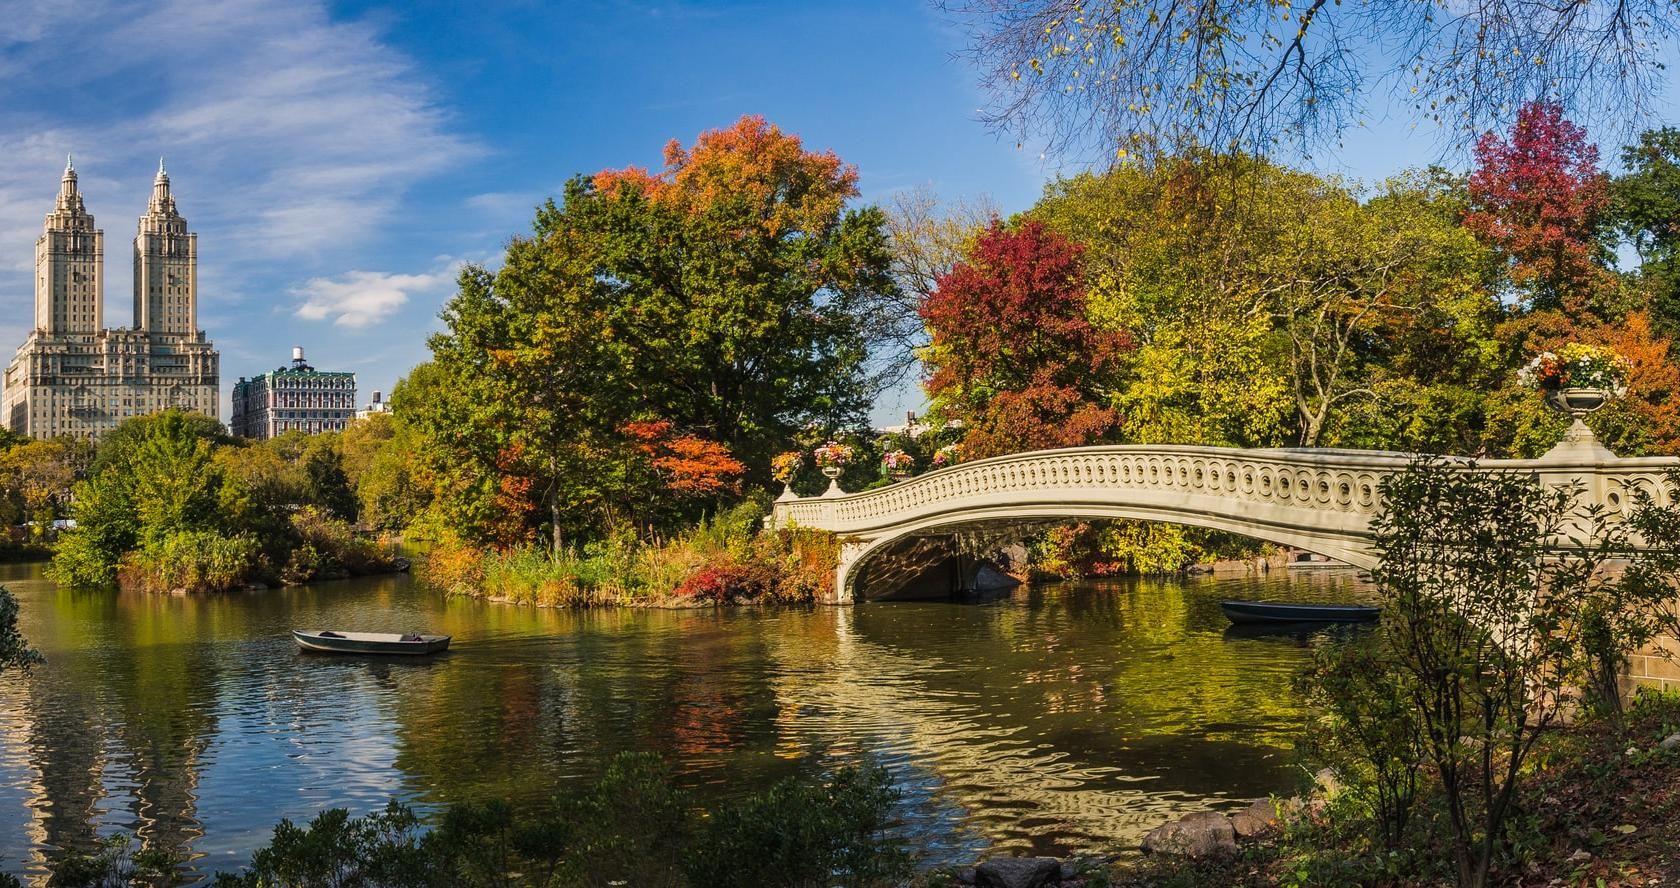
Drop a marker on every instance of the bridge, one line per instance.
(1320, 500)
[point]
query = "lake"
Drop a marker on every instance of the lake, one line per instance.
(1055, 719)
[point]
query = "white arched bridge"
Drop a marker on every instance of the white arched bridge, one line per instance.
(1320, 500)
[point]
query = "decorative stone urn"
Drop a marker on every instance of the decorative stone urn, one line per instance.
(833, 474)
(1578, 442)
(1578, 402)
(898, 474)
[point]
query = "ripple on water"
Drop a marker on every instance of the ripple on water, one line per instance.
(1053, 720)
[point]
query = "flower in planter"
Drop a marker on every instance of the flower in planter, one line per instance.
(1577, 365)
(897, 461)
(948, 455)
(833, 455)
(786, 465)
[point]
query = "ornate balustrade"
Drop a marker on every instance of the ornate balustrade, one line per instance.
(1321, 500)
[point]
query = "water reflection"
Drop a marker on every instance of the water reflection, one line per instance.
(1054, 719)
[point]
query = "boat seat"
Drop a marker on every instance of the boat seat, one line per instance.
(329, 634)
(411, 637)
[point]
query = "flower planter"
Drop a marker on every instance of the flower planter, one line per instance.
(1577, 402)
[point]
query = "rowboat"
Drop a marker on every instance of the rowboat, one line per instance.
(334, 642)
(1284, 612)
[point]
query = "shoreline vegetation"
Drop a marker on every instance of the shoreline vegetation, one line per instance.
(724, 560)
(171, 504)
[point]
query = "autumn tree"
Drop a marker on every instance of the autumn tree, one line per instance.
(1281, 316)
(928, 238)
(40, 475)
(1014, 355)
(720, 294)
(1166, 75)
(1540, 197)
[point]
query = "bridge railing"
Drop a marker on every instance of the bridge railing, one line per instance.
(1336, 483)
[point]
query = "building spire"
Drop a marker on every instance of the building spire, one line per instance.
(162, 202)
(69, 197)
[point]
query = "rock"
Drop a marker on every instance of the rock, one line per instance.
(1670, 743)
(1018, 872)
(1267, 810)
(1203, 834)
(988, 579)
(1070, 870)
(966, 875)
(1580, 856)
(1248, 826)
(1327, 781)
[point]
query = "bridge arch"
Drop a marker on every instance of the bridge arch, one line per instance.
(1321, 500)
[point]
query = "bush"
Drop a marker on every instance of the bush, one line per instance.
(720, 561)
(116, 866)
(800, 834)
(631, 827)
(190, 561)
(380, 849)
(726, 581)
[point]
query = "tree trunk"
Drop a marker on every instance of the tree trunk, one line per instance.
(554, 521)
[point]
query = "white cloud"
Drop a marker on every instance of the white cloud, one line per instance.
(363, 298)
(291, 136)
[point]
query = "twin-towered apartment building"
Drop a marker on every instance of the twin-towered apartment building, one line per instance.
(74, 377)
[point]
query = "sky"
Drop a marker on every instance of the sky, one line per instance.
(341, 160)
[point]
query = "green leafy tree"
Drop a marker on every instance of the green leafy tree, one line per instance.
(1500, 618)
(1645, 209)
(720, 295)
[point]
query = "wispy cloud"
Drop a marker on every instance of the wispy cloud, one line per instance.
(291, 137)
(363, 298)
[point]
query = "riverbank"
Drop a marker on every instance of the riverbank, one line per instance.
(1601, 808)
(725, 560)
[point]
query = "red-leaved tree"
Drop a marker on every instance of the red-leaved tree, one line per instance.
(1014, 355)
(1540, 198)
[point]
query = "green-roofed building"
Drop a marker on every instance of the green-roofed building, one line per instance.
(296, 398)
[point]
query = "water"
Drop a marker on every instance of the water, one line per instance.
(1056, 719)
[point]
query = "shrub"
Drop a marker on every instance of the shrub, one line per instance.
(116, 865)
(631, 827)
(726, 581)
(800, 834)
(15, 651)
(190, 561)
(380, 849)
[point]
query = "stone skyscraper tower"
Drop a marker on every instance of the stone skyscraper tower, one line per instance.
(74, 377)
(165, 266)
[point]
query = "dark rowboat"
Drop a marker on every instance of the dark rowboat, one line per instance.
(332, 642)
(1283, 612)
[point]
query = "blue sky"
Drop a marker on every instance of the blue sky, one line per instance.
(339, 160)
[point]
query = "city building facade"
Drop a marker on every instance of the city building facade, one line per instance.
(296, 398)
(72, 377)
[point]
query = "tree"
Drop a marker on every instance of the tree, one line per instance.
(721, 295)
(1500, 618)
(41, 474)
(157, 491)
(1645, 208)
(1163, 76)
(1305, 300)
(1540, 198)
(1014, 356)
(928, 238)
